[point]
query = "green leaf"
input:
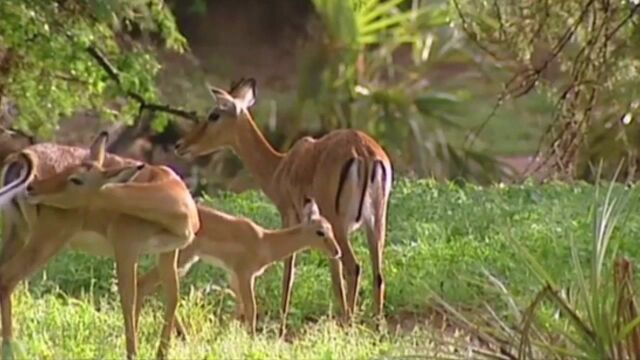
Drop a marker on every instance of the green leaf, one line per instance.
(429, 103)
(375, 10)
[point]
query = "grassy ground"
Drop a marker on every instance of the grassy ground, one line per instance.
(440, 237)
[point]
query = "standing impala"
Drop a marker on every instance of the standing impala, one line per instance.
(245, 249)
(346, 171)
(106, 206)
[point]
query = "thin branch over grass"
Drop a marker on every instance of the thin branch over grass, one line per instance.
(591, 41)
(113, 73)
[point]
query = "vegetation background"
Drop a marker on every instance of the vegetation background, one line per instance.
(462, 92)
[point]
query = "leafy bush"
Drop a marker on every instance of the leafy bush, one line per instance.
(56, 57)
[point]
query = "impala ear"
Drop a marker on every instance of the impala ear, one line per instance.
(122, 175)
(216, 93)
(310, 210)
(234, 84)
(97, 148)
(224, 101)
(244, 93)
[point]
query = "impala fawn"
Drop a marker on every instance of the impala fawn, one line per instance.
(245, 249)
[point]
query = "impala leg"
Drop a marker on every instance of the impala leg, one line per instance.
(167, 266)
(186, 258)
(30, 258)
(337, 280)
(246, 291)
(376, 229)
(376, 240)
(287, 285)
(126, 267)
(288, 276)
(239, 310)
(149, 281)
(146, 284)
(351, 270)
(181, 333)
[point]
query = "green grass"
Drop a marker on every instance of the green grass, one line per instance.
(440, 236)
(58, 327)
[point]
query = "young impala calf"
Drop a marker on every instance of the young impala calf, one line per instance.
(124, 211)
(245, 249)
(346, 171)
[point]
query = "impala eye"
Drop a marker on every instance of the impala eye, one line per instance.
(214, 116)
(75, 181)
(320, 233)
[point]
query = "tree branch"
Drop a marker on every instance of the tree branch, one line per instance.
(524, 81)
(114, 74)
(624, 21)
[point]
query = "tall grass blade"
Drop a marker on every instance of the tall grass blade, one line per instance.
(533, 264)
(371, 13)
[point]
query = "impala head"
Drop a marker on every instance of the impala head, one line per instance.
(319, 229)
(218, 130)
(77, 185)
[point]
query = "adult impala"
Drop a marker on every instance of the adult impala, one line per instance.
(346, 171)
(106, 206)
(245, 249)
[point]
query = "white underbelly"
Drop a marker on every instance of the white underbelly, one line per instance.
(97, 244)
(214, 261)
(92, 242)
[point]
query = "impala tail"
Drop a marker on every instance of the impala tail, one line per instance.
(16, 176)
(364, 177)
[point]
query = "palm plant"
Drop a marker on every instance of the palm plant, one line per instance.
(370, 71)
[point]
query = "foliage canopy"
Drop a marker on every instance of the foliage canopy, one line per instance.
(50, 54)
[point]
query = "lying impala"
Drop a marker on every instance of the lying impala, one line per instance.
(105, 206)
(346, 171)
(245, 249)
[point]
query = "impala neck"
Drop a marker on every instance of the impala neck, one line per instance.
(256, 153)
(283, 243)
